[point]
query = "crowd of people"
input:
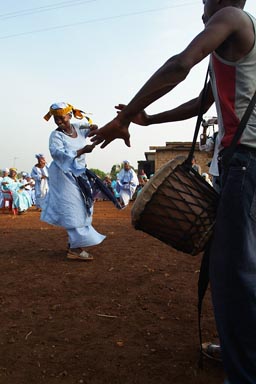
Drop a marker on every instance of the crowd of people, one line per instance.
(30, 189)
(126, 185)
(27, 190)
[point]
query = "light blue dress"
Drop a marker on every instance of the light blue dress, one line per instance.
(21, 200)
(64, 204)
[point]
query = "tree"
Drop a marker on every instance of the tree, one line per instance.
(114, 170)
(98, 172)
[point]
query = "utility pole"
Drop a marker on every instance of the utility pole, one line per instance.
(14, 161)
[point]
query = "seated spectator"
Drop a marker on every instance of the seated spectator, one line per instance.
(5, 179)
(21, 200)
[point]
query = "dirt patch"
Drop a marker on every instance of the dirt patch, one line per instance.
(128, 317)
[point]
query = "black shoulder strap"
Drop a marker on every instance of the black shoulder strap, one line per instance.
(199, 119)
(203, 282)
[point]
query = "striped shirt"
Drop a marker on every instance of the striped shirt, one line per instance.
(233, 85)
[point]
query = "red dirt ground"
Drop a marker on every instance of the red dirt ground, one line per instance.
(128, 317)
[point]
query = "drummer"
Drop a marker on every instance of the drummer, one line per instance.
(229, 39)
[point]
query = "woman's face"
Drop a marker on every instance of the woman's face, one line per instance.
(62, 121)
(13, 174)
(41, 161)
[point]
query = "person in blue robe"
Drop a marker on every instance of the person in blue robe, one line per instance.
(66, 204)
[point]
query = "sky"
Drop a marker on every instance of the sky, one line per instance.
(92, 54)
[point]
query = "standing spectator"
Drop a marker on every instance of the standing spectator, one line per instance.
(108, 183)
(142, 182)
(212, 144)
(30, 188)
(114, 186)
(127, 182)
(40, 174)
(142, 175)
(5, 173)
(196, 166)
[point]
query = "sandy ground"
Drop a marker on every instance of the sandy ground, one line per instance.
(128, 317)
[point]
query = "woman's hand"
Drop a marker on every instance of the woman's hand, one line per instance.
(86, 149)
(142, 118)
(115, 129)
(89, 148)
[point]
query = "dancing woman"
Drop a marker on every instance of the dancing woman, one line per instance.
(65, 204)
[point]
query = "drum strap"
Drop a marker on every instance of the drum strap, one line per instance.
(204, 92)
(203, 282)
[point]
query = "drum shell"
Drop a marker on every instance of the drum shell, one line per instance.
(178, 207)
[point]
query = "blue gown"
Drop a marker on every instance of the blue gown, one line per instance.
(21, 200)
(64, 205)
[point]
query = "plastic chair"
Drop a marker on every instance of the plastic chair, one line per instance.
(8, 203)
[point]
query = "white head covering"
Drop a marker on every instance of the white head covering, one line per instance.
(39, 155)
(126, 162)
(62, 109)
(6, 170)
(60, 105)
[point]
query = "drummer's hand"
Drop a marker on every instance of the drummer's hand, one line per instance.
(115, 129)
(141, 118)
(93, 127)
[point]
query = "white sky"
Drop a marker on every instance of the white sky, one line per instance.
(92, 54)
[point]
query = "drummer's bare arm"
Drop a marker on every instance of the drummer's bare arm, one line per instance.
(223, 25)
(182, 112)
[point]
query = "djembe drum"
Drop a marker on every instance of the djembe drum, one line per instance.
(177, 206)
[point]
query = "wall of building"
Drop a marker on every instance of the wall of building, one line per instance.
(164, 155)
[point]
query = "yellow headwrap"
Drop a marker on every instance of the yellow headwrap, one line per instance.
(77, 113)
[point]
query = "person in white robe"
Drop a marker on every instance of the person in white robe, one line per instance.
(5, 173)
(127, 182)
(65, 205)
(40, 174)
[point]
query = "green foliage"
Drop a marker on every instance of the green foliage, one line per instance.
(114, 170)
(98, 172)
